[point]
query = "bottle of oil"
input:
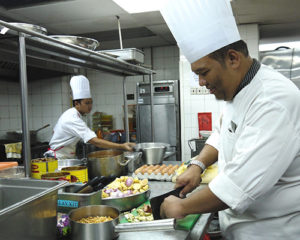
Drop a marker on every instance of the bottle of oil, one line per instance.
(99, 132)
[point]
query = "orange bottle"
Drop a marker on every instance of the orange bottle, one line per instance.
(99, 132)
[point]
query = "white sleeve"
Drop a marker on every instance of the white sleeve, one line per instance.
(262, 153)
(79, 128)
(213, 139)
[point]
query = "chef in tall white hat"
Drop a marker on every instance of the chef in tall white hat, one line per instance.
(70, 127)
(257, 189)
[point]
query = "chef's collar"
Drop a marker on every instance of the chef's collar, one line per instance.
(249, 76)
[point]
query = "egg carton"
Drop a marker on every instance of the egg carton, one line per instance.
(160, 177)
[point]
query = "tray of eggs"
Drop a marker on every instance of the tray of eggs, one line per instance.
(156, 172)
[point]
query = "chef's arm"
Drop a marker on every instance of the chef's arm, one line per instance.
(191, 178)
(202, 201)
(101, 143)
(208, 155)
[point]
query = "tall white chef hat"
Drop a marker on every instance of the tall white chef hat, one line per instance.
(200, 27)
(80, 87)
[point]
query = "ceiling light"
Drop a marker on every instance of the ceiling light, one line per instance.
(138, 6)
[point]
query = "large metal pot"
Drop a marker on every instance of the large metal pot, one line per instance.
(109, 230)
(71, 163)
(153, 153)
(106, 163)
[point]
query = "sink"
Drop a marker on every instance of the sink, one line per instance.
(28, 208)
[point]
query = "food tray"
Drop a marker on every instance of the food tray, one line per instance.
(84, 42)
(27, 26)
(13, 172)
(152, 176)
(156, 172)
(132, 55)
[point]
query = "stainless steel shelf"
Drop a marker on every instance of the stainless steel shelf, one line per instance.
(41, 49)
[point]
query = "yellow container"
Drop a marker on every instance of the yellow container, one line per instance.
(58, 176)
(40, 166)
(78, 174)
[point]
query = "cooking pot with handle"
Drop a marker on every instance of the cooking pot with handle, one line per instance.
(110, 229)
(107, 163)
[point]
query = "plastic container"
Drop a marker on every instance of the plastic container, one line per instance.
(13, 172)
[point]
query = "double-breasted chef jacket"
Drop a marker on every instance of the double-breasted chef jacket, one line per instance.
(69, 129)
(258, 143)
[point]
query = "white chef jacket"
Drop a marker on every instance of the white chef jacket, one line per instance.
(69, 129)
(259, 160)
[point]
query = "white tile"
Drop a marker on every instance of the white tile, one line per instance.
(36, 99)
(47, 111)
(56, 87)
(37, 111)
(4, 124)
(4, 99)
(4, 112)
(37, 123)
(56, 98)
(14, 123)
(13, 111)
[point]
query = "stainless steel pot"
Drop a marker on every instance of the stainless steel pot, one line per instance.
(153, 153)
(109, 230)
(107, 163)
(71, 163)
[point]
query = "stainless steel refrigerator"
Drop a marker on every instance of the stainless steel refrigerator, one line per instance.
(166, 115)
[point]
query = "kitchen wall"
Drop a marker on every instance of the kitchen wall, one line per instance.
(47, 99)
(107, 89)
(192, 104)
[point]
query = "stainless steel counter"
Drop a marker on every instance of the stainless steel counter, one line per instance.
(158, 188)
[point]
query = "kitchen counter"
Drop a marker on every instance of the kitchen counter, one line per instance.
(197, 232)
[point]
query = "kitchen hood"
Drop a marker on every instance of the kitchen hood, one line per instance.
(284, 60)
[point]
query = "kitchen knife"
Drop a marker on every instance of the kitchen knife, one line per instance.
(157, 201)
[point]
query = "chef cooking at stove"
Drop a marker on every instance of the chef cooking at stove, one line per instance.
(70, 127)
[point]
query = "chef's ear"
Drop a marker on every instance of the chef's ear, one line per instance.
(233, 58)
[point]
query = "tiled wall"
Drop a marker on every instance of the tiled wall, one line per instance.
(47, 99)
(107, 89)
(192, 104)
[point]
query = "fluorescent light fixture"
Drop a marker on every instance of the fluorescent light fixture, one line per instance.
(138, 6)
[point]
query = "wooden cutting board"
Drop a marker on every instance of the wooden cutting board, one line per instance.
(5, 165)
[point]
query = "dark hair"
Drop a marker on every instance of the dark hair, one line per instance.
(77, 100)
(220, 54)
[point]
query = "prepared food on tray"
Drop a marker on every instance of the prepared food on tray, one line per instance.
(142, 214)
(157, 172)
(96, 219)
(125, 186)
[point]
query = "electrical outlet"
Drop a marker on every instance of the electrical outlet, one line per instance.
(199, 91)
(193, 91)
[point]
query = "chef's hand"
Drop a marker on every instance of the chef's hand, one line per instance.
(172, 208)
(128, 146)
(191, 179)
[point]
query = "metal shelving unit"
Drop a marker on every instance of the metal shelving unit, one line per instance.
(28, 47)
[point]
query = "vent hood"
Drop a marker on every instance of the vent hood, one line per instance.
(284, 60)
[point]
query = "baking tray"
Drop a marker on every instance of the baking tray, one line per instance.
(27, 26)
(132, 55)
(84, 42)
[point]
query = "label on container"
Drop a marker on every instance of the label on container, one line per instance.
(67, 203)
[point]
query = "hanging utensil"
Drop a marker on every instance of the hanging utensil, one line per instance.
(120, 33)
